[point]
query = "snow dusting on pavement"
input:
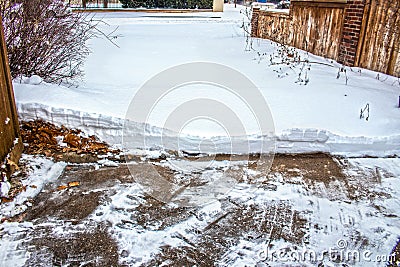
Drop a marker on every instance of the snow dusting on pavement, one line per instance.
(334, 211)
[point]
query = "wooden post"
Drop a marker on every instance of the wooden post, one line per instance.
(10, 139)
(84, 3)
(364, 25)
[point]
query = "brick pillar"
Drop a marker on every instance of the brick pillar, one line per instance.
(354, 12)
(254, 21)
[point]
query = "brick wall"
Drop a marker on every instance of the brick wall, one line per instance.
(254, 22)
(353, 17)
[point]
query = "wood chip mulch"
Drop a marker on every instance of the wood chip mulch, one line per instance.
(47, 139)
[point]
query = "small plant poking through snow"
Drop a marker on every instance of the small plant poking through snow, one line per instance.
(246, 26)
(288, 58)
(44, 38)
(292, 61)
(364, 113)
(344, 71)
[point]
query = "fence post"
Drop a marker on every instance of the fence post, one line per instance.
(105, 3)
(10, 139)
(84, 3)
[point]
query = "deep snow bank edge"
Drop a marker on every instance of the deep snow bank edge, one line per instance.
(110, 130)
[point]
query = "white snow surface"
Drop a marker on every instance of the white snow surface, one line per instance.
(323, 115)
(43, 171)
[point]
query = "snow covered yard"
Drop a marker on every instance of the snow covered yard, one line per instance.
(323, 115)
(310, 209)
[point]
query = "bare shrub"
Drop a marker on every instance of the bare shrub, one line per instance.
(45, 38)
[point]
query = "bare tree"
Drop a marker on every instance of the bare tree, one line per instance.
(45, 38)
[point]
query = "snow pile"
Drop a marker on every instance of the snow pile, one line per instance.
(11, 253)
(43, 171)
(33, 80)
(5, 187)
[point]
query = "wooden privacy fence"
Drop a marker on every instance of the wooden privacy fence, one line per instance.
(10, 140)
(379, 49)
(361, 33)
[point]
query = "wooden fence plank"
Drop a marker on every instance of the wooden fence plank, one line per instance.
(11, 143)
(313, 27)
(380, 45)
(318, 26)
